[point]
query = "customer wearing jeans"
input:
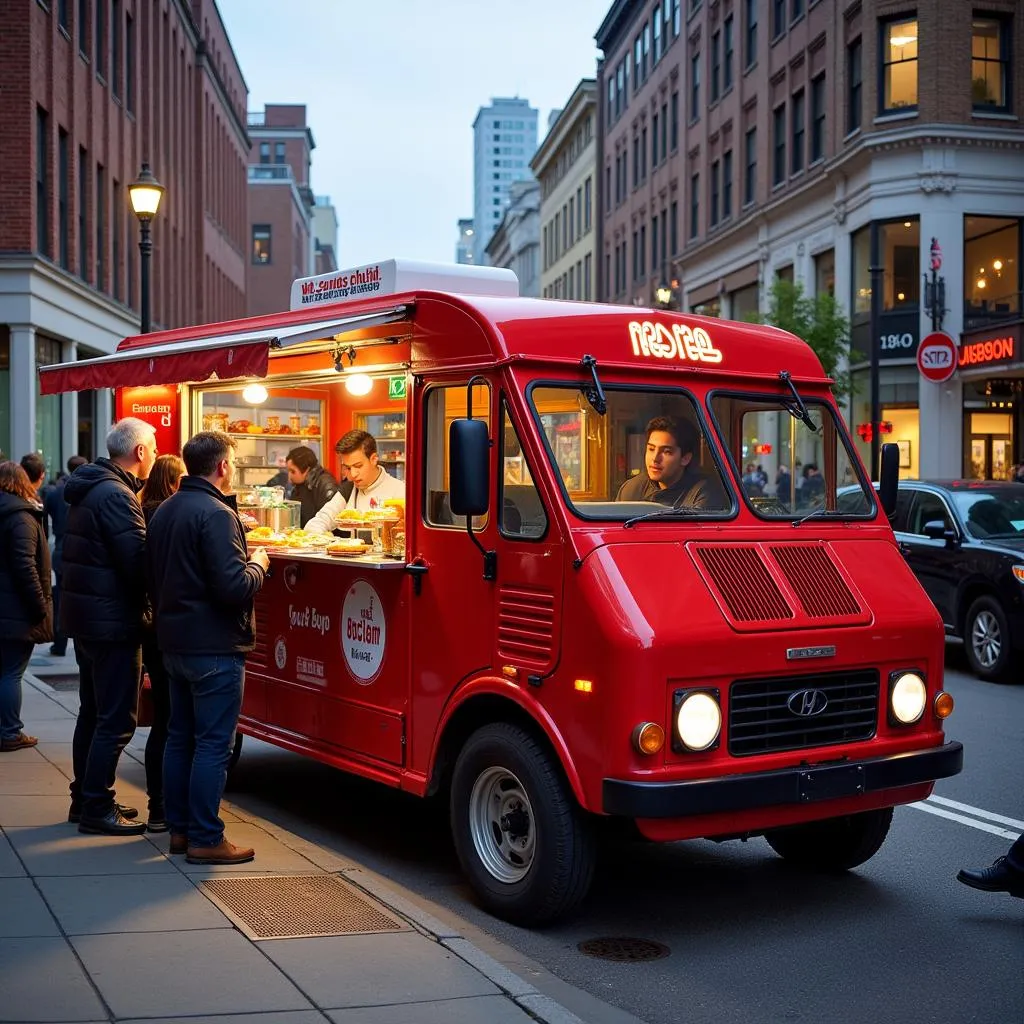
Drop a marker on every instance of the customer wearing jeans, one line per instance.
(203, 585)
(26, 607)
(104, 608)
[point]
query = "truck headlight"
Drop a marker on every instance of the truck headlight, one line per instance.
(908, 697)
(698, 719)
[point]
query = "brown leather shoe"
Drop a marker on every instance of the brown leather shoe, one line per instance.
(19, 742)
(223, 853)
(179, 845)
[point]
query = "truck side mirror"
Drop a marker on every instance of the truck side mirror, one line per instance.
(468, 467)
(889, 478)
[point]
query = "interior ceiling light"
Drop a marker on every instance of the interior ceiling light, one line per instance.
(902, 40)
(997, 264)
(254, 394)
(358, 384)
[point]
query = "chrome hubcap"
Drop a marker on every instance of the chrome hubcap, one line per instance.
(986, 639)
(501, 824)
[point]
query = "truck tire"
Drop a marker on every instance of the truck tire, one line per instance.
(836, 844)
(987, 640)
(519, 834)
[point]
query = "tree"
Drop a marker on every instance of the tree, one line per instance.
(818, 320)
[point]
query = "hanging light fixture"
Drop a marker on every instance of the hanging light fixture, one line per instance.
(254, 394)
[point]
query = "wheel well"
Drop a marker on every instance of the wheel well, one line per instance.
(970, 594)
(474, 713)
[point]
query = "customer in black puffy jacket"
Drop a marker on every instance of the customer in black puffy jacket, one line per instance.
(26, 606)
(104, 608)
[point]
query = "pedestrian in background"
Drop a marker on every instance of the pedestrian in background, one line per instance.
(104, 608)
(56, 509)
(35, 469)
(26, 606)
(312, 485)
(164, 478)
(204, 585)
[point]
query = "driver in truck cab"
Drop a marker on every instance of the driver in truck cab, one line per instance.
(671, 477)
(372, 484)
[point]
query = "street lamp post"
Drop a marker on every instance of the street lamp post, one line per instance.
(145, 194)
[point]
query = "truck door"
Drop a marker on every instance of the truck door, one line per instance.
(452, 607)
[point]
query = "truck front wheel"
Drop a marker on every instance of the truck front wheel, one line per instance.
(835, 844)
(519, 834)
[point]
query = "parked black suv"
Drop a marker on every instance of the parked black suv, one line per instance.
(964, 540)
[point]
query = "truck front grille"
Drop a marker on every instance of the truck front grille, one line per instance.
(795, 712)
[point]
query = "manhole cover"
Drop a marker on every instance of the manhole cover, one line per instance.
(299, 906)
(65, 684)
(624, 950)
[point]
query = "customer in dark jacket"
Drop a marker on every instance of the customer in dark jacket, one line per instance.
(203, 585)
(312, 485)
(26, 607)
(164, 478)
(56, 509)
(104, 609)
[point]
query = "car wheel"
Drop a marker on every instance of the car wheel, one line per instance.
(519, 834)
(835, 844)
(987, 640)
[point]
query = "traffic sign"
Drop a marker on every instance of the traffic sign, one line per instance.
(937, 357)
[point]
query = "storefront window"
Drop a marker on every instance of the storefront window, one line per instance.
(900, 246)
(744, 302)
(860, 301)
(899, 65)
(5, 393)
(988, 440)
(992, 269)
(825, 273)
(48, 411)
(711, 308)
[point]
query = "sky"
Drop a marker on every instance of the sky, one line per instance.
(391, 91)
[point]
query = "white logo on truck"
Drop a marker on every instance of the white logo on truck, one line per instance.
(363, 631)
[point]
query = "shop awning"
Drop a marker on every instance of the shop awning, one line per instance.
(224, 356)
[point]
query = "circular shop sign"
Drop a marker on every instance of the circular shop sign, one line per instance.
(937, 357)
(363, 631)
(280, 653)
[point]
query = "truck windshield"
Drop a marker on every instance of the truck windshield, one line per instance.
(648, 453)
(787, 469)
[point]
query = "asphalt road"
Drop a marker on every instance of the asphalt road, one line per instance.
(751, 939)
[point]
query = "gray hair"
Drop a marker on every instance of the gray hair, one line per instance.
(127, 434)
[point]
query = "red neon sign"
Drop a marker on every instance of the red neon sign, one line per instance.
(995, 350)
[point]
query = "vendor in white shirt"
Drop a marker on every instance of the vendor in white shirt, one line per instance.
(372, 484)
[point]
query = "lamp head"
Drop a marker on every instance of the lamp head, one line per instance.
(145, 193)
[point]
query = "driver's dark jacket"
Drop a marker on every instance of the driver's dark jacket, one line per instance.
(202, 582)
(692, 489)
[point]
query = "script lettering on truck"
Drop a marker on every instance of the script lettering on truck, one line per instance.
(680, 341)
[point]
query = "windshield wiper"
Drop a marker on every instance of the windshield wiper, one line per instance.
(595, 393)
(664, 513)
(800, 413)
(822, 511)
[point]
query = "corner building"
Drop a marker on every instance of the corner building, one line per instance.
(742, 141)
(92, 88)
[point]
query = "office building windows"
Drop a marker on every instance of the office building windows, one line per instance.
(750, 34)
(727, 184)
(779, 145)
(797, 114)
(818, 118)
(750, 166)
(42, 182)
(694, 205)
(898, 62)
(261, 243)
(990, 63)
(63, 189)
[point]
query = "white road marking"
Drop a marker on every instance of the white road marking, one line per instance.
(964, 820)
(977, 812)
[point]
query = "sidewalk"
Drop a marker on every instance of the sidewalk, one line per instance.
(101, 929)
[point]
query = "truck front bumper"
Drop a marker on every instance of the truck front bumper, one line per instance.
(800, 785)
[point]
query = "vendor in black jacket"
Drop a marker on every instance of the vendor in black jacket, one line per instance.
(104, 607)
(312, 485)
(203, 584)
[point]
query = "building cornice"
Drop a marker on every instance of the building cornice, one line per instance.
(582, 103)
(616, 23)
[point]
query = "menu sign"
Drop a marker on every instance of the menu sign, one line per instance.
(158, 405)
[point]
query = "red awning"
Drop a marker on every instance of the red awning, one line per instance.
(226, 356)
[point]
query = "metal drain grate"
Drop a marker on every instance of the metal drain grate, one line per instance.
(624, 950)
(299, 906)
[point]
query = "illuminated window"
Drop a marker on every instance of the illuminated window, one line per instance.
(261, 243)
(899, 65)
(990, 64)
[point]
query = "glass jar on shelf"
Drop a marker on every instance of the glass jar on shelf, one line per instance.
(273, 424)
(295, 423)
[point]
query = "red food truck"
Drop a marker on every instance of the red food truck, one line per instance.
(590, 609)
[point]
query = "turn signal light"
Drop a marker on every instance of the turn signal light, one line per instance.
(584, 685)
(943, 704)
(648, 738)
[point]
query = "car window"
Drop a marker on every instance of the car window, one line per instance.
(927, 509)
(901, 517)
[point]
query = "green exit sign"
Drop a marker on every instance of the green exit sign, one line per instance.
(396, 388)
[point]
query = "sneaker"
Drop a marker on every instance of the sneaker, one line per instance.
(19, 742)
(157, 822)
(75, 814)
(223, 853)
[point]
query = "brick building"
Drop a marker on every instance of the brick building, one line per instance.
(741, 140)
(90, 90)
(281, 204)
